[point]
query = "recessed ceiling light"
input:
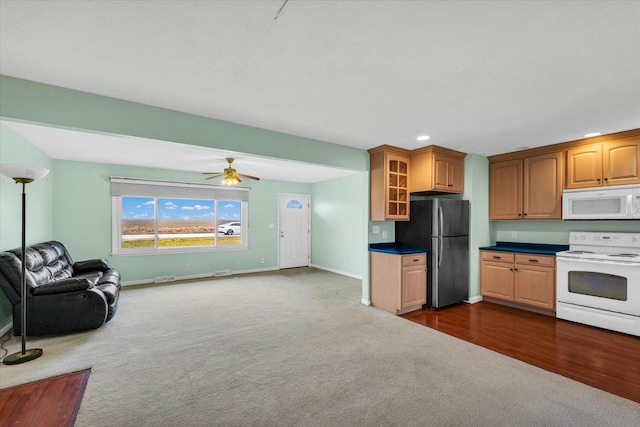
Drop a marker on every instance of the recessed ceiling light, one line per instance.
(422, 137)
(589, 135)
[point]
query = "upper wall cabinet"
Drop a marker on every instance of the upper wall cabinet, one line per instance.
(608, 163)
(526, 188)
(437, 170)
(528, 184)
(389, 180)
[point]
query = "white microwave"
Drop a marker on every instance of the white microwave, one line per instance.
(615, 202)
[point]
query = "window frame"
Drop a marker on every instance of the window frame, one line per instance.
(205, 192)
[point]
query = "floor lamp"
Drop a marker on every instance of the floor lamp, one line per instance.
(23, 174)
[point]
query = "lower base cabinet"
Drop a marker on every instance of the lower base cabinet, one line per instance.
(521, 278)
(398, 282)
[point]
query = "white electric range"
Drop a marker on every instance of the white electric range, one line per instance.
(598, 281)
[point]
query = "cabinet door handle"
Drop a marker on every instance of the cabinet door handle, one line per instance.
(525, 214)
(515, 269)
(606, 179)
(598, 179)
(416, 260)
(497, 257)
(533, 260)
(450, 185)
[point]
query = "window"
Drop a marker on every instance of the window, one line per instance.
(170, 217)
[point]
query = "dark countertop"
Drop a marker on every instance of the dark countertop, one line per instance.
(527, 248)
(391, 248)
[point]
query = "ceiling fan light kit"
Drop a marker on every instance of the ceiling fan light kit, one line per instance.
(231, 177)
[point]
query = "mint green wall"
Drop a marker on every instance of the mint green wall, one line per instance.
(476, 190)
(82, 221)
(557, 232)
(384, 226)
(29, 101)
(338, 223)
(14, 149)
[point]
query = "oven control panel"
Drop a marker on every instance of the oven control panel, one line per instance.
(624, 240)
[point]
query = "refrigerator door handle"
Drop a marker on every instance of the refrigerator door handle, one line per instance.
(440, 232)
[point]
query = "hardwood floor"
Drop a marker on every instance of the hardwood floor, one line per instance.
(49, 402)
(600, 358)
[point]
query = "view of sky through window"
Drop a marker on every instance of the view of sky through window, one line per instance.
(176, 209)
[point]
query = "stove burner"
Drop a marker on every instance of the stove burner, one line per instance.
(626, 255)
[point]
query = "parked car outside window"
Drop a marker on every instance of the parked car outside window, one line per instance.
(230, 228)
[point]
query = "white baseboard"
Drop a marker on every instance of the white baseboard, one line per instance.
(256, 270)
(194, 276)
(474, 299)
(151, 281)
(6, 328)
(365, 301)
(332, 270)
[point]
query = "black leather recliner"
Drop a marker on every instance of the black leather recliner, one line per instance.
(62, 296)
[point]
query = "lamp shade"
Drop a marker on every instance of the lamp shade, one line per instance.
(27, 173)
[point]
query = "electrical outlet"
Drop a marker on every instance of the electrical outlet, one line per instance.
(261, 260)
(384, 234)
(514, 234)
(187, 266)
(376, 229)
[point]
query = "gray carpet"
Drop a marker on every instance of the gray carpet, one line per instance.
(297, 348)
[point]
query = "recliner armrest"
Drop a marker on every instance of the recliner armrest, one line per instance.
(63, 286)
(90, 265)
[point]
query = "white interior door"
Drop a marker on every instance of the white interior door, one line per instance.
(294, 230)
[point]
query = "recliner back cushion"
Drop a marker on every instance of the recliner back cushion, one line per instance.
(45, 262)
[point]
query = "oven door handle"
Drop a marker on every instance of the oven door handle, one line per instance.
(597, 261)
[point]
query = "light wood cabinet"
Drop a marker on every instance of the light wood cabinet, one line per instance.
(437, 169)
(601, 164)
(496, 275)
(542, 194)
(535, 281)
(521, 278)
(526, 188)
(505, 190)
(398, 282)
(389, 183)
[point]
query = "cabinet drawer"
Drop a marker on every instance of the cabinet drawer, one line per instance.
(497, 256)
(414, 259)
(541, 260)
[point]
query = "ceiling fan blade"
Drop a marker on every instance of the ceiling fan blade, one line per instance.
(249, 176)
(212, 173)
(215, 176)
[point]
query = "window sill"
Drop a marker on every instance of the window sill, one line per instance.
(177, 250)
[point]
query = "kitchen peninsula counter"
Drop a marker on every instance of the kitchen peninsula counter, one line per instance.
(398, 277)
(393, 249)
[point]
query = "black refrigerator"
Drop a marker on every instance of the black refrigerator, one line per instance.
(442, 227)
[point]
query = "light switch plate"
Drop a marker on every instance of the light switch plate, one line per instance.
(376, 229)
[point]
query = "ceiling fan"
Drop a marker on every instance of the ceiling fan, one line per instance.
(231, 177)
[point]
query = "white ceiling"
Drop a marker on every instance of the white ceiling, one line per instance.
(94, 147)
(484, 77)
